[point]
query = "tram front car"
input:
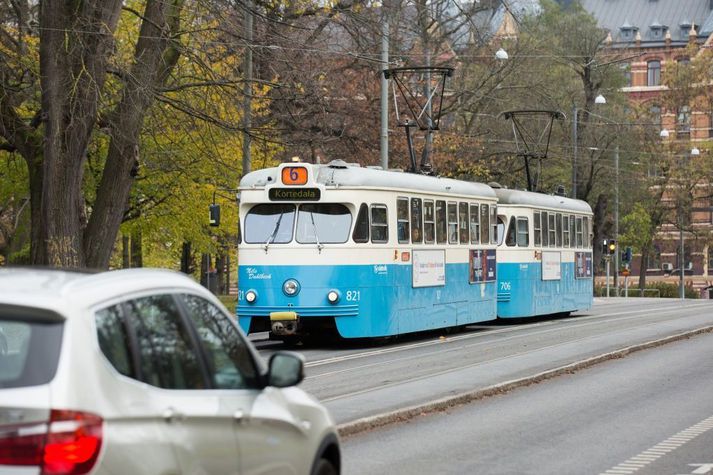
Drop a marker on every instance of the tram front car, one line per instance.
(316, 254)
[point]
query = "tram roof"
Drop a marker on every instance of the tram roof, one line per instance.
(541, 200)
(339, 173)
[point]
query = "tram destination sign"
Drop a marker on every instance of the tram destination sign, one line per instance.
(294, 194)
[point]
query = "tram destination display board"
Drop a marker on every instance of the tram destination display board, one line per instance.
(294, 194)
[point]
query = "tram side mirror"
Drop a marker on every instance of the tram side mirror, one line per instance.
(214, 217)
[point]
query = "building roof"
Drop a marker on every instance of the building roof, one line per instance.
(652, 19)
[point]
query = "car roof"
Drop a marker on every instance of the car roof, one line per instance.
(57, 289)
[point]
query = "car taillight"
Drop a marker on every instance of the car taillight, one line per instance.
(68, 444)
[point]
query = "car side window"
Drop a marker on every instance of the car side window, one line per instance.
(113, 340)
(230, 363)
(167, 357)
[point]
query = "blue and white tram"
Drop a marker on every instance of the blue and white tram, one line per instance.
(544, 254)
(365, 251)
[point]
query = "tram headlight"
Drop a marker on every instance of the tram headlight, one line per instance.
(251, 296)
(333, 296)
(291, 287)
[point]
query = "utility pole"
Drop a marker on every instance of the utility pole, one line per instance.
(384, 86)
(247, 86)
(616, 221)
(574, 154)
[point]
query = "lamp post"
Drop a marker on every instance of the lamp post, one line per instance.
(597, 100)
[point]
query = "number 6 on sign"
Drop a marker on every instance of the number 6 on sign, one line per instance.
(294, 175)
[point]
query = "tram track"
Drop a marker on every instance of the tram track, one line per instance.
(573, 323)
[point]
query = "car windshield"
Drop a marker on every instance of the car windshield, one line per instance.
(29, 349)
(323, 223)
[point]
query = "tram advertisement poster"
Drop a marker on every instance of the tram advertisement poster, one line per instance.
(551, 265)
(482, 265)
(583, 265)
(429, 268)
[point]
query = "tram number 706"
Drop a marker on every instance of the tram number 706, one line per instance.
(505, 286)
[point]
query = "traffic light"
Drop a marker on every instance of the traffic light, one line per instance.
(611, 246)
(214, 216)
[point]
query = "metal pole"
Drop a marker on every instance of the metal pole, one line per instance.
(616, 221)
(683, 259)
(574, 155)
(247, 88)
(608, 262)
(384, 88)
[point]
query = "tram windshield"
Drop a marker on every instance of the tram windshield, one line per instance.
(317, 223)
(269, 223)
(323, 223)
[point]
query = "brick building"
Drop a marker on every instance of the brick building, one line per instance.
(656, 35)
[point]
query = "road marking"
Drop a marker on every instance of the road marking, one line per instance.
(662, 448)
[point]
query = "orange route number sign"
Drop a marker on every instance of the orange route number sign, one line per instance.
(294, 175)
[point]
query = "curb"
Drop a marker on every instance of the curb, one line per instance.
(449, 402)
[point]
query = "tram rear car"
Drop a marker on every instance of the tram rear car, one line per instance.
(365, 252)
(544, 254)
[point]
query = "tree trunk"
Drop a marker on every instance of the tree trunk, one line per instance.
(137, 255)
(155, 56)
(642, 266)
(125, 251)
(76, 39)
(186, 264)
(602, 227)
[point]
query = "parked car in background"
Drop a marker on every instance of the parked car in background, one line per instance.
(145, 372)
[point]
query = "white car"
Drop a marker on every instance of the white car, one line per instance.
(144, 372)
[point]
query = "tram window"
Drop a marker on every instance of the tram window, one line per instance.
(565, 230)
(523, 232)
(379, 224)
(429, 225)
(361, 229)
(463, 234)
(441, 225)
(402, 224)
(579, 231)
(511, 236)
(269, 223)
(585, 231)
(558, 224)
(484, 225)
(474, 225)
(453, 223)
(493, 224)
(538, 229)
(416, 220)
(572, 233)
(552, 230)
(323, 223)
(545, 227)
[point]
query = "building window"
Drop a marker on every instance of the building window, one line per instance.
(654, 259)
(654, 73)
(683, 122)
(710, 122)
(655, 113)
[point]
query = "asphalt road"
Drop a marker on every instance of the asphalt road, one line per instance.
(358, 381)
(648, 413)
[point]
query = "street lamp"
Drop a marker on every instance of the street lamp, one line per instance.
(501, 54)
(597, 100)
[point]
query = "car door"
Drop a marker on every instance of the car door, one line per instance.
(271, 439)
(198, 421)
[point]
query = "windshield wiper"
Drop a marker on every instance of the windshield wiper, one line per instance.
(273, 235)
(316, 235)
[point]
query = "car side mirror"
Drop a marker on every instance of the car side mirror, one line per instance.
(285, 369)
